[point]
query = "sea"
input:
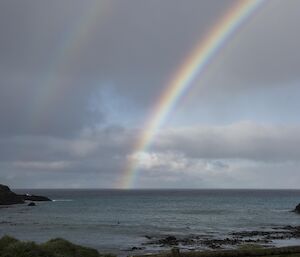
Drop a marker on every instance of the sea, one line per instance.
(118, 221)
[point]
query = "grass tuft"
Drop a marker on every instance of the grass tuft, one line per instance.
(11, 247)
(63, 248)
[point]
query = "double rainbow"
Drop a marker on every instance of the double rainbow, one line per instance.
(182, 79)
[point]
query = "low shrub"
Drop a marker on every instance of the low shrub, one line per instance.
(11, 247)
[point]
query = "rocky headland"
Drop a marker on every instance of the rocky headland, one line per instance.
(297, 209)
(7, 197)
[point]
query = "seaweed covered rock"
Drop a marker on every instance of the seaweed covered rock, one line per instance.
(169, 240)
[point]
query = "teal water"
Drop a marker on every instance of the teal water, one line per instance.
(115, 220)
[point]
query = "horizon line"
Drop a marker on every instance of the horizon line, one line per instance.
(153, 189)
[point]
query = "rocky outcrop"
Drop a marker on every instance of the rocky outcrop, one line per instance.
(35, 198)
(239, 238)
(169, 240)
(297, 209)
(7, 197)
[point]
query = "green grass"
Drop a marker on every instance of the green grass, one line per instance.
(11, 247)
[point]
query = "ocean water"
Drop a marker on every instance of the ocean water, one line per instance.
(116, 220)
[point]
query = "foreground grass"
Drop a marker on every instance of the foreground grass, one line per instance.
(11, 247)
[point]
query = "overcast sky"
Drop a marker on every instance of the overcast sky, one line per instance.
(78, 80)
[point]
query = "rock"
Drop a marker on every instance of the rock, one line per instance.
(297, 209)
(4, 188)
(166, 241)
(7, 197)
(135, 248)
(31, 204)
(169, 240)
(35, 198)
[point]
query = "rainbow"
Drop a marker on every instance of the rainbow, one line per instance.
(182, 80)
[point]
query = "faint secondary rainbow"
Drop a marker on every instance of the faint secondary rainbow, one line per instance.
(55, 86)
(182, 79)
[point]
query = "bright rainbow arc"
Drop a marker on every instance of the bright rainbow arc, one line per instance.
(193, 66)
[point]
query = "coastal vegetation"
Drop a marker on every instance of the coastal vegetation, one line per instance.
(11, 247)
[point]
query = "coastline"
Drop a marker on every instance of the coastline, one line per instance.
(272, 238)
(142, 222)
(58, 247)
(198, 245)
(291, 251)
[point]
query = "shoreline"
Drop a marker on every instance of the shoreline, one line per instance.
(292, 251)
(59, 247)
(278, 237)
(271, 238)
(154, 222)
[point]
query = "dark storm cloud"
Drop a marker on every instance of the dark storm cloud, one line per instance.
(93, 159)
(104, 143)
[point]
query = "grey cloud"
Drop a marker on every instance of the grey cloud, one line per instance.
(93, 159)
(201, 173)
(91, 144)
(86, 177)
(238, 155)
(244, 140)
